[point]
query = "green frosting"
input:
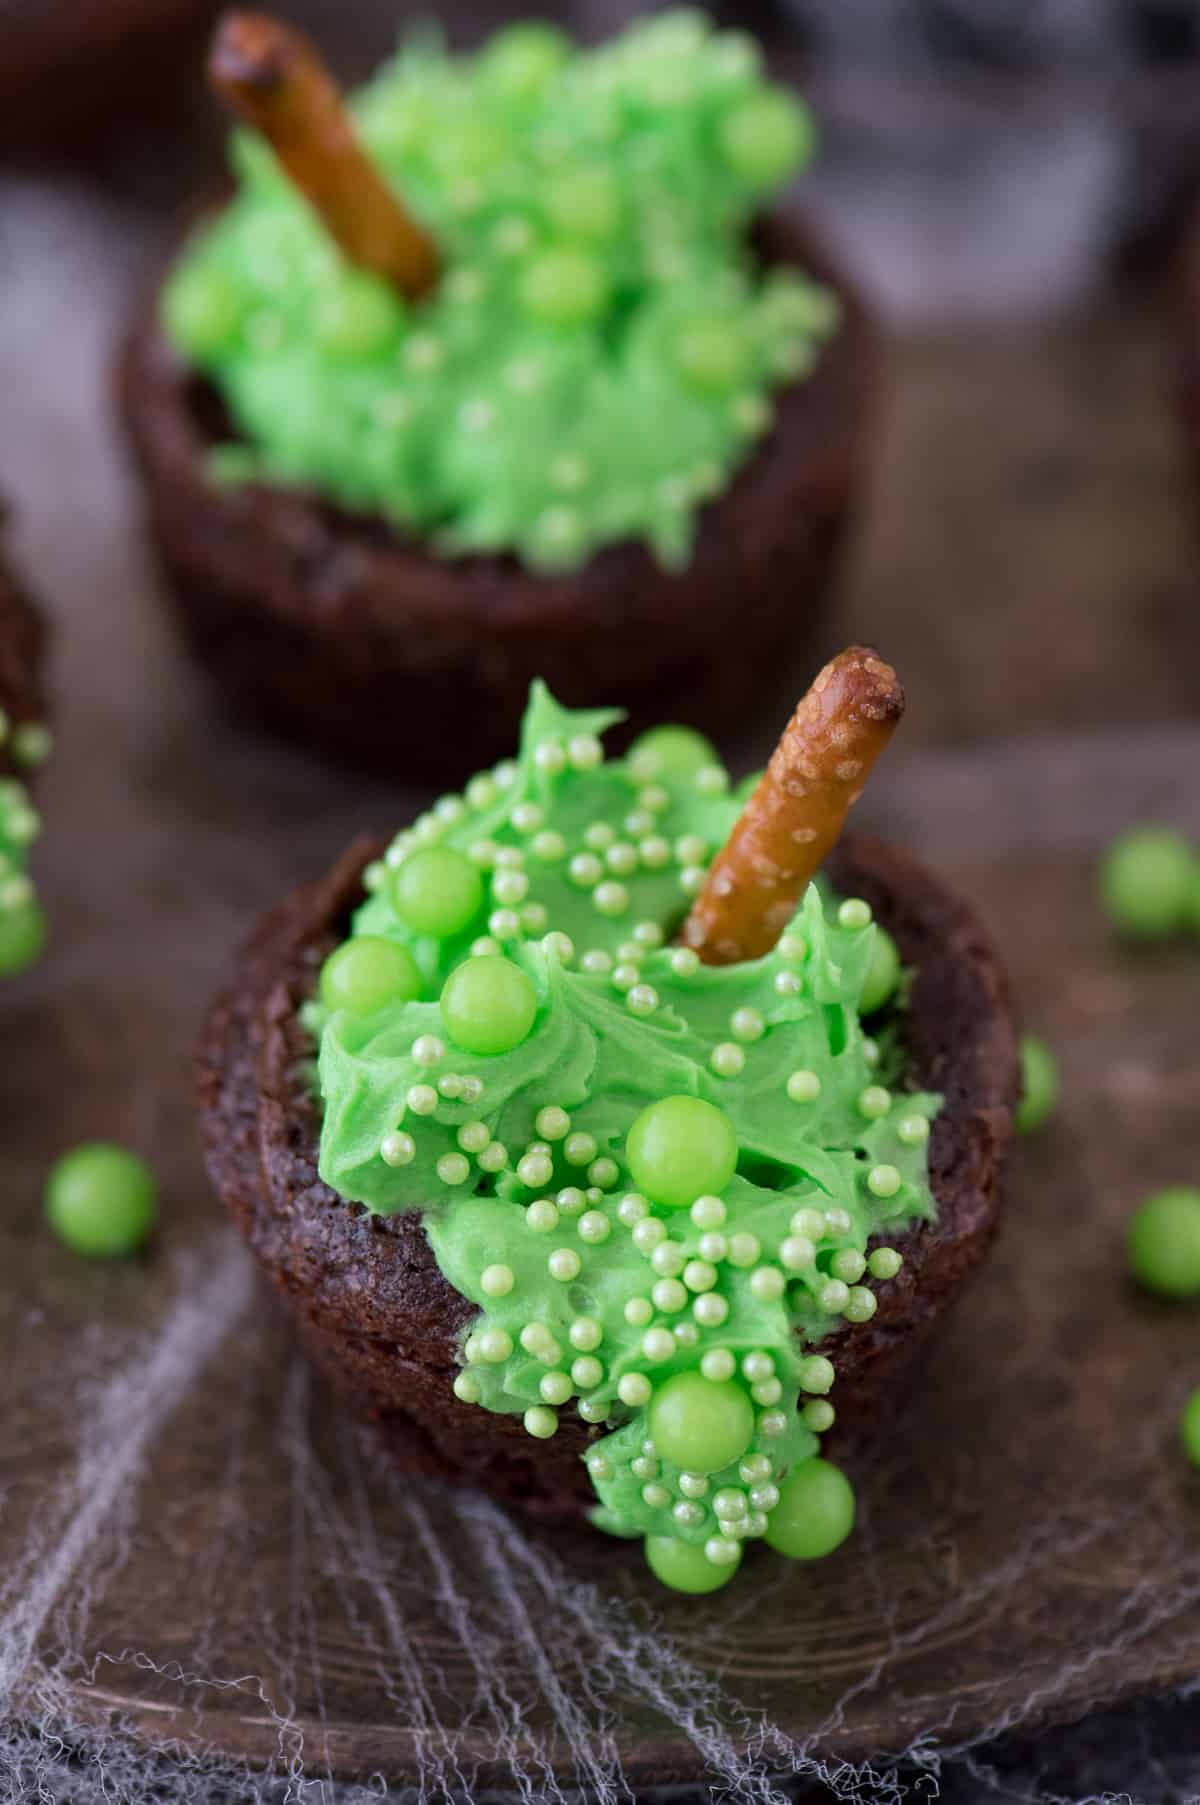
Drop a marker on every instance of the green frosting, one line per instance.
(598, 357)
(22, 923)
(634, 1276)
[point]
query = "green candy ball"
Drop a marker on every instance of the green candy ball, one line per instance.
(815, 1512)
(1039, 1085)
(686, 1568)
(681, 1148)
(564, 287)
(23, 933)
(522, 59)
(101, 1199)
(1189, 1428)
(1145, 882)
(488, 1005)
(364, 974)
(883, 973)
(671, 752)
(436, 891)
(584, 203)
(712, 355)
(700, 1424)
(1163, 1239)
(358, 317)
(471, 147)
(202, 311)
(767, 138)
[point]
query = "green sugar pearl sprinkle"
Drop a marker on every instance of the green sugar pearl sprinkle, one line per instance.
(102, 1200)
(1163, 1241)
(884, 1263)
(540, 1422)
(854, 913)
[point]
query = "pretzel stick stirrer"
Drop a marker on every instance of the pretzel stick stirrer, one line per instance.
(273, 78)
(798, 810)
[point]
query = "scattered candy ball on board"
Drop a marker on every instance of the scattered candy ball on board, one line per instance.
(1163, 1241)
(1147, 882)
(102, 1200)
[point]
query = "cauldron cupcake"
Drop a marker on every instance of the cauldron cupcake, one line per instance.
(584, 412)
(24, 745)
(608, 1211)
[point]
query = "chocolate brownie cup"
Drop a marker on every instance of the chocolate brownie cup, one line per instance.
(24, 745)
(401, 1245)
(367, 544)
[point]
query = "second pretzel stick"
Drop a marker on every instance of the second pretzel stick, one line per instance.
(272, 77)
(798, 810)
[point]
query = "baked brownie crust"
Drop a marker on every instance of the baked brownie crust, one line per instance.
(334, 629)
(373, 1310)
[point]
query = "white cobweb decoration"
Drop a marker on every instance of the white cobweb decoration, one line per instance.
(533, 1637)
(177, 1408)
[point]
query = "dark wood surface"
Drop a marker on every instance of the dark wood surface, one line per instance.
(190, 1536)
(1028, 1539)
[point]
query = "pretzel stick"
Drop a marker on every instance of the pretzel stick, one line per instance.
(272, 77)
(798, 810)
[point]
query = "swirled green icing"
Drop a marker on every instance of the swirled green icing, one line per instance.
(598, 357)
(615, 1270)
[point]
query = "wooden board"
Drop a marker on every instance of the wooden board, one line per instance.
(219, 1523)
(188, 1536)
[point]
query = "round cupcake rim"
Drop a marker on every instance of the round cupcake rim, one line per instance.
(354, 1281)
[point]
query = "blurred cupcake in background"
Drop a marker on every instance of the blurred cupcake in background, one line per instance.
(507, 370)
